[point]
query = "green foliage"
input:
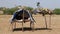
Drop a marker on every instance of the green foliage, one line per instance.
(57, 11)
(29, 8)
(10, 11)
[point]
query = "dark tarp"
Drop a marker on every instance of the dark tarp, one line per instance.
(19, 15)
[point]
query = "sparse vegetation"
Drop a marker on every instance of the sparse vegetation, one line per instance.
(57, 11)
(10, 11)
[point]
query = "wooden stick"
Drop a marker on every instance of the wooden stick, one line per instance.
(50, 21)
(32, 25)
(14, 25)
(23, 20)
(11, 26)
(45, 21)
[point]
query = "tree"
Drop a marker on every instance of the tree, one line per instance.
(29, 8)
(10, 11)
(56, 11)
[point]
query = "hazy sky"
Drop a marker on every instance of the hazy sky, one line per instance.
(32, 3)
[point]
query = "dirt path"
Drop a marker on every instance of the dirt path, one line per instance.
(39, 25)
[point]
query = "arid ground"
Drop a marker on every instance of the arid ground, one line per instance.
(39, 25)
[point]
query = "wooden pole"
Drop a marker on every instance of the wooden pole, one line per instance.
(50, 21)
(45, 21)
(33, 26)
(11, 26)
(14, 25)
(23, 20)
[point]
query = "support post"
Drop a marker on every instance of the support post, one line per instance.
(50, 21)
(45, 21)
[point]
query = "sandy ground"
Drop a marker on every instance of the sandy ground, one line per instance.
(39, 25)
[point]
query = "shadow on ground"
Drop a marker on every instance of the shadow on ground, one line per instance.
(30, 29)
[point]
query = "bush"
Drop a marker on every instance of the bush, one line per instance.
(56, 11)
(10, 11)
(29, 8)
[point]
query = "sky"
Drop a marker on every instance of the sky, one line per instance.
(32, 3)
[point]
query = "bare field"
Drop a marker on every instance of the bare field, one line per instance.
(39, 25)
